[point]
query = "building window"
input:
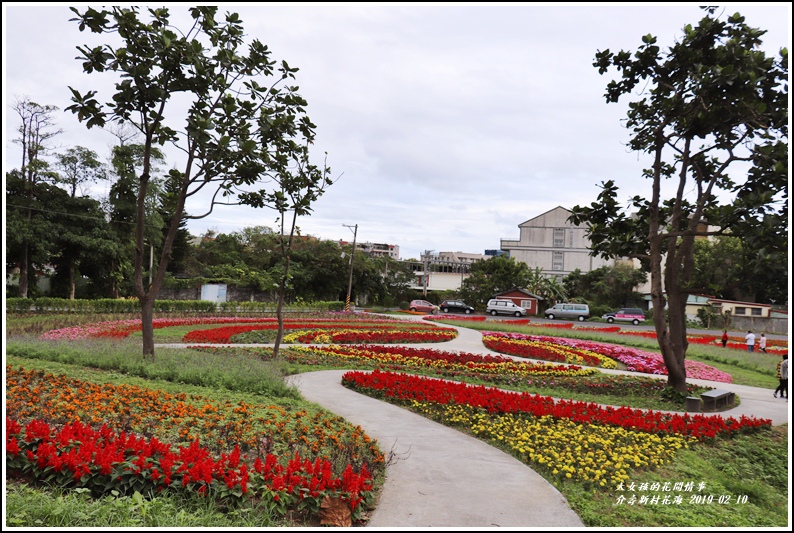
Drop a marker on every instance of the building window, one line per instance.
(556, 261)
(559, 237)
(756, 311)
(526, 304)
(740, 311)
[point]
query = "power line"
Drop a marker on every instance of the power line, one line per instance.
(78, 216)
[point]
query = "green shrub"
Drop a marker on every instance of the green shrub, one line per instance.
(111, 305)
(598, 310)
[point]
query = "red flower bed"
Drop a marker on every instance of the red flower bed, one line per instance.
(395, 336)
(346, 332)
(224, 334)
(77, 455)
(473, 361)
(409, 388)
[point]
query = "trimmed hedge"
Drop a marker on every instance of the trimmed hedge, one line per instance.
(111, 305)
(270, 307)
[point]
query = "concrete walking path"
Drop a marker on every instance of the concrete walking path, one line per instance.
(440, 477)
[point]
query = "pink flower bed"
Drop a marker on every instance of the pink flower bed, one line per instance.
(635, 360)
(122, 328)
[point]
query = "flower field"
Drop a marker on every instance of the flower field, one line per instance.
(344, 328)
(448, 362)
(587, 442)
(102, 460)
(593, 353)
(230, 439)
(325, 332)
(565, 380)
(400, 333)
(120, 329)
(545, 348)
(147, 438)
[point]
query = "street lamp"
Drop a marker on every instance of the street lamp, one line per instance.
(350, 277)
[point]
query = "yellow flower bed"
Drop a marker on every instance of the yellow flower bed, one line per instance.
(595, 454)
(496, 368)
(573, 356)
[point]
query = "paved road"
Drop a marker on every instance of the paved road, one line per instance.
(439, 477)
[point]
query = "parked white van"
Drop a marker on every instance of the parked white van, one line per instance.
(500, 306)
(580, 312)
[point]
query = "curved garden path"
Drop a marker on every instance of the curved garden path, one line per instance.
(440, 477)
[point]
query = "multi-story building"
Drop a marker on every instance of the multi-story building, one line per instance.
(376, 249)
(554, 244)
(443, 271)
(452, 258)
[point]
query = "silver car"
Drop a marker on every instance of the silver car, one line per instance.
(580, 312)
(501, 306)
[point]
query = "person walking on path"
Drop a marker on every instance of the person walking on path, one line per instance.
(782, 375)
(750, 340)
(724, 338)
(762, 343)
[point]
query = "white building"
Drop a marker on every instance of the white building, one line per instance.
(554, 244)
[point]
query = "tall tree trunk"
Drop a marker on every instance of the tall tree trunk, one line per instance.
(24, 261)
(114, 286)
(23, 272)
(285, 253)
(71, 279)
(147, 328)
(280, 314)
(145, 297)
(673, 352)
(148, 297)
(676, 343)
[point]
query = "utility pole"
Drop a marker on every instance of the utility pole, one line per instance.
(350, 277)
(426, 267)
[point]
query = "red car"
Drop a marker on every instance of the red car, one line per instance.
(423, 306)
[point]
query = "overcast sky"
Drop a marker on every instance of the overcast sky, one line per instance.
(447, 125)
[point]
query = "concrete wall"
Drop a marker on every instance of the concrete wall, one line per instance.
(233, 294)
(760, 325)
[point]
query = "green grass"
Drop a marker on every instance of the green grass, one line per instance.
(28, 506)
(755, 466)
(235, 372)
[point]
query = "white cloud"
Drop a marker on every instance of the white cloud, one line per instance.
(450, 124)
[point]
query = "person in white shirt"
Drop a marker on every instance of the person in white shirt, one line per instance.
(750, 340)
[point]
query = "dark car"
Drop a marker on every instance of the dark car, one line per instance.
(455, 306)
